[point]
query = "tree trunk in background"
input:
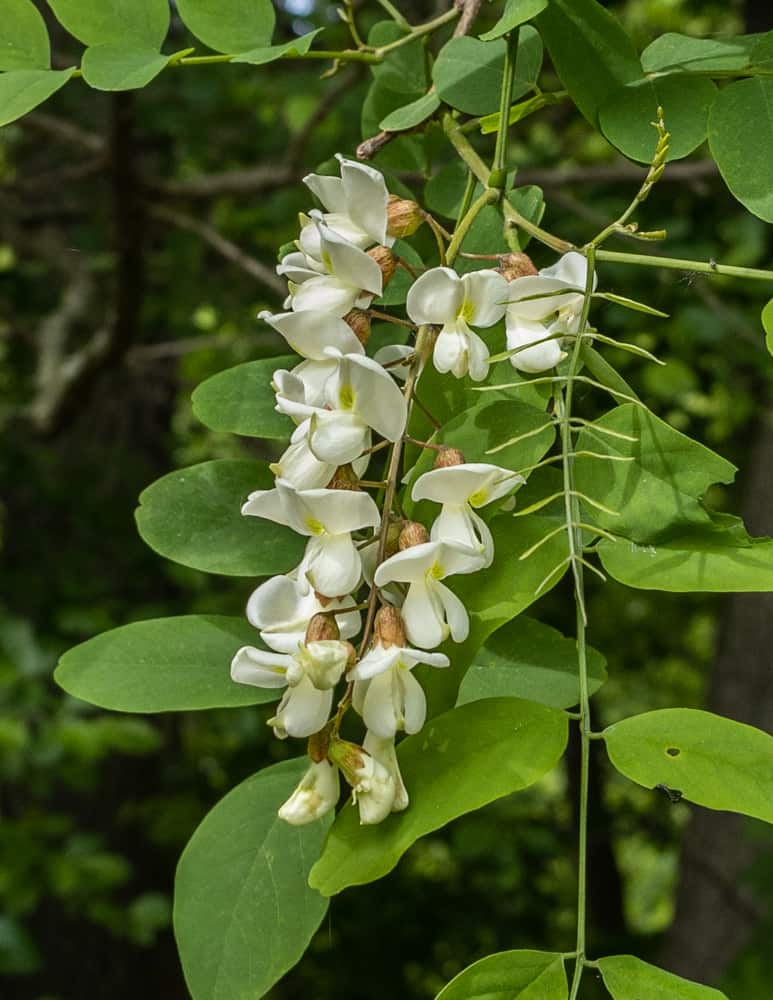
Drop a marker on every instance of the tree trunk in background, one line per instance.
(715, 912)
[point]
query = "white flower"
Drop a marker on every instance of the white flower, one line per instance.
(386, 694)
(431, 610)
(316, 794)
(299, 466)
(311, 334)
(282, 607)
(343, 278)
(460, 488)
(383, 750)
(356, 205)
(441, 297)
(373, 790)
(331, 563)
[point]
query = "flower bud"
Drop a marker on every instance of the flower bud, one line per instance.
(344, 478)
(388, 628)
(386, 260)
(447, 457)
(383, 750)
(322, 661)
(359, 321)
(316, 794)
(412, 534)
(373, 787)
(516, 265)
(403, 217)
(322, 626)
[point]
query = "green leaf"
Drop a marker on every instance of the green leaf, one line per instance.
(116, 67)
(761, 55)
(143, 23)
(526, 659)
(240, 400)
(713, 761)
(397, 289)
(676, 52)
(243, 911)
(628, 978)
(627, 303)
(21, 90)
(529, 200)
(411, 114)
(162, 665)
(591, 52)
(490, 123)
(459, 762)
(705, 560)
(741, 141)
(516, 12)
(23, 37)
(193, 517)
(269, 53)
(626, 117)
(510, 975)
(403, 70)
(659, 486)
(229, 25)
(767, 325)
(404, 152)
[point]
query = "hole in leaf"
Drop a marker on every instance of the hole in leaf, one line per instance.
(673, 751)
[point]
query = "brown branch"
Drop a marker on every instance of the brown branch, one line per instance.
(249, 181)
(56, 128)
(470, 10)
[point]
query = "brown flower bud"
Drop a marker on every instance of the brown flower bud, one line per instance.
(318, 744)
(359, 321)
(386, 260)
(321, 627)
(403, 216)
(447, 457)
(412, 534)
(388, 628)
(516, 265)
(344, 478)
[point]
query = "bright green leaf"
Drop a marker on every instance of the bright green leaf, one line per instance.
(143, 23)
(240, 400)
(459, 762)
(229, 25)
(767, 325)
(23, 37)
(490, 123)
(627, 303)
(510, 975)
(162, 665)
(741, 141)
(598, 366)
(526, 659)
(675, 52)
(193, 517)
(628, 978)
(659, 486)
(626, 117)
(21, 90)
(591, 52)
(116, 67)
(411, 114)
(516, 12)
(269, 53)
(713, 761)
(243, 911)
(403, 70)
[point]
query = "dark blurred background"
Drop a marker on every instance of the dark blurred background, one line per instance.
(138, 234)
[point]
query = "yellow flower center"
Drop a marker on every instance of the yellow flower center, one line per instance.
(315, 527)
(467, 311)
(436, 572)
(478, 498)
(346, 397)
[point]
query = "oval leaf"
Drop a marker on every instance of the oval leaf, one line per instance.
(510, 975)
(516, 12)
(713, 761)
(626, 118)
(229, 25)
(162, 665)
(240, 400)
(460, 761)
(468, 74)
(142, 22)
(675, 52)
(767, 325)
(628, 978)
(23, 37)
(243, 912)
(411, 114)
(270, 53)
(193, 517)
(403, 70)
(116, 67)
(526, 659)
(741, 141)
(21, 90)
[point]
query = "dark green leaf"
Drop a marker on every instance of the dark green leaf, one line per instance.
(628, 978)
(403, 70)
(591, 52)
(23, 37)
(510, 975)
(767, 325)
(193, 517)
(444, 191)
(468, 74)
(405, 152)
(459, 762)
(243, 911)
(229, 25)
(162, 665)
(526, 659)
(741, 141)
(411, 114)
(140, 23)
(516, 12)
(713, 761)
(116, 67)
(268, 53)
(761, 56)
(675, 52)
(21, 90)
(240, 400)
(626, 117)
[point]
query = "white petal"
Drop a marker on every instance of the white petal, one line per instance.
(350, 264)
(299, 466)
(379, 709)
(485, 297)
(439, 660)
(260, 668)
(384, 752)
(325, 294)
(477, 357)
(376, 398)
(571, 268)
(413, 709)
(535, 359)
(535, 297)
(435, 297)
(310, 334)
(457, 559)
(359, 691)
(450, 353)
(455, 612)
(459, 483)
(423, 616)
(316, 795)
(455, 524)
(366, 198)
(268, 504)
(302, 711)
(338, 437)
(342, 510)
(329, 190)
(333, 565)
(324, 661)
(409, 565)
(485, 536)
(297, 268)
(376, 661)
(392, 352)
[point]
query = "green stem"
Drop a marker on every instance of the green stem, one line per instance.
(394, 13)
(345, 55)
(421, 29)
(463, 227)
(677, 264)
(499, 166)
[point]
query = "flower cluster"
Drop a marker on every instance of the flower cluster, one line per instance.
(340, 400)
